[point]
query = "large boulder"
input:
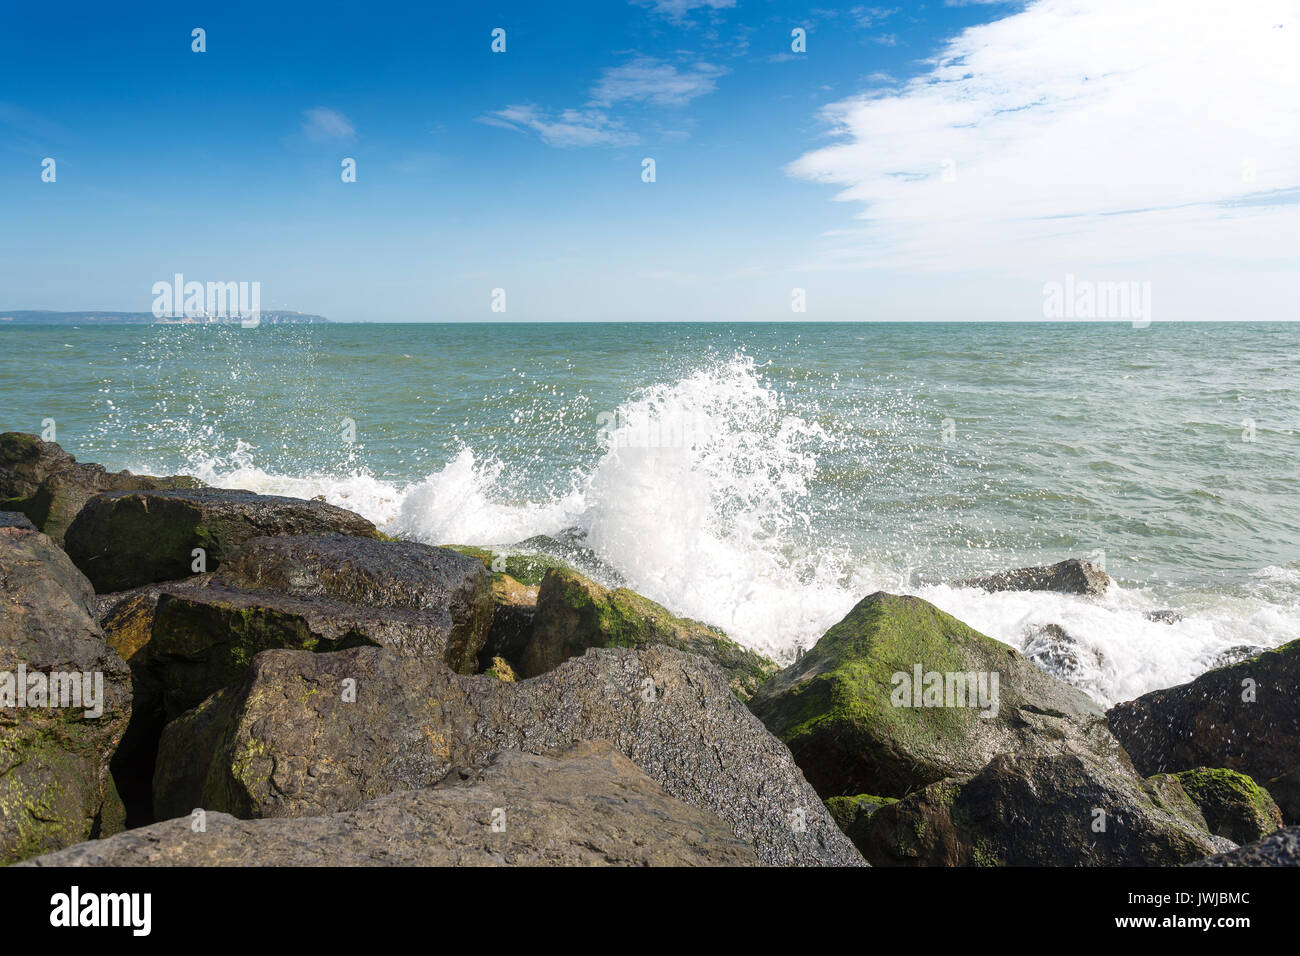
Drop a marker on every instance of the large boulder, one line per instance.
(1277, 849)
(1058, 810)
(310, 734)
(65, 699)
(125, 539)
(451, 591)
(1070, 576)
(184, 641)
(1234, 806)
(1243, 717)
(47, 484)
(575, 613)
(899, 695)
(587, 805)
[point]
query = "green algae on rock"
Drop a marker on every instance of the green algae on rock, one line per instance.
(1234, 805)
(575, 613)
(835, 707)
(55, 787)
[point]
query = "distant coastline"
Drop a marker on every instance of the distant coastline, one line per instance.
(47, 317)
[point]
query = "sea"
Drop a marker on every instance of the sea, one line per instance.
(763, 478)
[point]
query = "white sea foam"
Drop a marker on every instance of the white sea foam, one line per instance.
(715, 522)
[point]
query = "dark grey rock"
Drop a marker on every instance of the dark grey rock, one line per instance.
(587, 805)
(1277, 849)
(286, 742)
(125, 539)
(1070, 576)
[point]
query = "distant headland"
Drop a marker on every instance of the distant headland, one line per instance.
(44, 317)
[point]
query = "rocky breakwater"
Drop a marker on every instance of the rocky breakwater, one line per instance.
(937, 745)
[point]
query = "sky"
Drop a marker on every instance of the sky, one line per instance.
(913, 161)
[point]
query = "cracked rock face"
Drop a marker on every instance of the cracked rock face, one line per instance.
(54, 778)
(586, 805)
(311, 734)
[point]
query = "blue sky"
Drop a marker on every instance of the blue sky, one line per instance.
(918, 161)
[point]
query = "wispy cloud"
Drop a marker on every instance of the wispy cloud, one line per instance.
(1110, 130)
(566, 129)
(652, 81)
(324, 123)
(642, 81)
(679, 10)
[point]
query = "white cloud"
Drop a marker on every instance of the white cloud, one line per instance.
(677, 10)
(1110, 131)
(648, 80)
(567, 129)
(323, 123)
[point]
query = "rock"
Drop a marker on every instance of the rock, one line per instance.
(54, 761)
(575, 613)
(853, 814)
(526, 568)
(570, 548)
(1060, 654)
(587, 805)
(1233, 805)
(1285, 789)
(1278, 849)
(1071, 576)
(1243, 717)
(204, 638)
(451, 590)
(841, 709)
(310, 734)
(1236, 654)
(1025, 810)
(1163, 617)
(501, 670)
(16, 519)
(126, 539)
(514, 602)
(186, 641)
(48, 485)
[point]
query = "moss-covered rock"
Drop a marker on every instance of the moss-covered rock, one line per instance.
(54, 754)
(1234, 806)
(575, 613)
(125, 539)
(1059, 810)
(853, 814)
(1243, 717)
(526, 568)
(50, 487)
(841, 707)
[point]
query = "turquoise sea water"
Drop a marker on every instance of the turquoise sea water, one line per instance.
(761, 477)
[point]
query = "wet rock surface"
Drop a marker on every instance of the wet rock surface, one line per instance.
(289, 742)
(123, 540)
(587, 805)
(54, 753)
